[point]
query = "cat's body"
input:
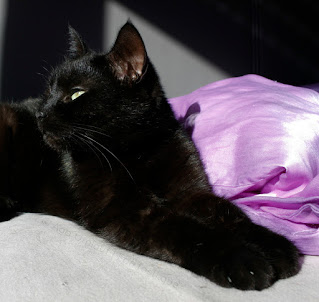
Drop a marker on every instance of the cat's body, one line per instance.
(132, 175)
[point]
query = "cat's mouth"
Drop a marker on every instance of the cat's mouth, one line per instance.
(53, 141)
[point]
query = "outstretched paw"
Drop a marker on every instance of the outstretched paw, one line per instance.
(243, 268)
(251, 260)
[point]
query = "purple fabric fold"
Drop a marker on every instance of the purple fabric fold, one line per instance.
(259, 142)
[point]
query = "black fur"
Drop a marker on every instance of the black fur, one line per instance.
(133, 176)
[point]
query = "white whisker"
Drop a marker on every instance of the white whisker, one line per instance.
(89, 126)
(92, 147)
(106, 149)
(90, 130)
(88, 145)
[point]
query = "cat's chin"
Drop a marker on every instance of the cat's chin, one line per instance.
(53, 141)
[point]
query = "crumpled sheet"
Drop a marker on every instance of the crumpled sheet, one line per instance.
(259, 142)
(46, 258)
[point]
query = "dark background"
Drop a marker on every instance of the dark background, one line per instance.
(274, 38)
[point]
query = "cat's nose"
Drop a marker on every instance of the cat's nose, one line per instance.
(40, 115)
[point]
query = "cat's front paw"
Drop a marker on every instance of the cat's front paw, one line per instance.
(242, 267)
(249, 261)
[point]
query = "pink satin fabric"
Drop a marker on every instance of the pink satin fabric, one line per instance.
(259, 142)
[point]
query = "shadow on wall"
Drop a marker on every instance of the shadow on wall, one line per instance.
(35, 39)
(274, 38)
(269, 38)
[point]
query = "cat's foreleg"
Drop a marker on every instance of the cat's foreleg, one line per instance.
(241, 255)
(240, 242)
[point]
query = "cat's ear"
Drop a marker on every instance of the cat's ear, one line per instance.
(128, 56)
(77, 47)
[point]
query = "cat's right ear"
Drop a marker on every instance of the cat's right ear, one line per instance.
(128, 56)
(77, 47)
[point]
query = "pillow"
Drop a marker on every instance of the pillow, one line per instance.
(259, 143)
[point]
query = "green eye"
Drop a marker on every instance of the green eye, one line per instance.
(75, 95)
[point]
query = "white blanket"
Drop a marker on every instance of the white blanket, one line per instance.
(45, 258)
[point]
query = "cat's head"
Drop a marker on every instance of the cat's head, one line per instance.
(100, 96)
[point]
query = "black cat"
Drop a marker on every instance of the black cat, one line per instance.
(134, 176)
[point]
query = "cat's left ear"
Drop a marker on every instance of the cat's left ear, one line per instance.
(128, 56)
(77, 47)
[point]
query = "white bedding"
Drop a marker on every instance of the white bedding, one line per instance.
(45, 258)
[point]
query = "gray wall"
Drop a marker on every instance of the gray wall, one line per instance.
(191, 42)
(34, 43)
(181, 69)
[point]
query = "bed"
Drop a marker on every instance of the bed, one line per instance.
(259, 142)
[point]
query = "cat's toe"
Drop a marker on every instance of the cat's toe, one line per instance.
(285, 259)
(244, 269)
(282, 254)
